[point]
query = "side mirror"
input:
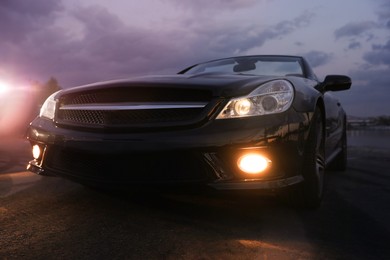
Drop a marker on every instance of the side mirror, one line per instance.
(336, 83)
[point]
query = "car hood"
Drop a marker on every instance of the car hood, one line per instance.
(221, 85)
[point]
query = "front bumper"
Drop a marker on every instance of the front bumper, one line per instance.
(205, 155)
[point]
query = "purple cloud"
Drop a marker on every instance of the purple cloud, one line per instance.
(215, 5)
(354, 45)
(380, 55)
(104, 47)
(354, 29)
(371, 83)
(18, 18)
(368, 95)
(317, 58)
(384, 13)
(44, 38)
(229, 40)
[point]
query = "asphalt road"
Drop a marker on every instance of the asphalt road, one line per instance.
(52, 218)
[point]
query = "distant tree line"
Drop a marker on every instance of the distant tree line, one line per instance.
(369, 122)
(44, 90)
(382, 120)
(41, 91)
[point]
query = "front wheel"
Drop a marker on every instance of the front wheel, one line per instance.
(340, 161)
(309, 193)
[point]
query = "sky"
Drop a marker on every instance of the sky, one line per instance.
(85, 41)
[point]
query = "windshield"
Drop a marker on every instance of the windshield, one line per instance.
(254, 65)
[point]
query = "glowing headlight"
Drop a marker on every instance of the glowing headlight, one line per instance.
(48, 108)
(242, 107)
(270, 98)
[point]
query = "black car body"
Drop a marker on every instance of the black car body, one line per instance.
(251, 122)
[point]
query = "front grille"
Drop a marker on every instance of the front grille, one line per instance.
(134, 107)
(137, 94)
(126, 117)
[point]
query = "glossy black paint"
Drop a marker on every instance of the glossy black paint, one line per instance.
(203, 150)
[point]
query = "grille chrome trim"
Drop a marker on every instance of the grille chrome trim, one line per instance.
(133, 106)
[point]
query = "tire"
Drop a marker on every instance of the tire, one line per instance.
(340, 161)
(309, 193)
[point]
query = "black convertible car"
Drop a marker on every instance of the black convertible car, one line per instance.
(251, 122)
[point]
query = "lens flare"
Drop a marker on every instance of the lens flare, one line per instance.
(4, 87)
(17, 109)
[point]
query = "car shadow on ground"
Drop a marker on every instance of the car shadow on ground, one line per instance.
(14, 154)
(7, 161)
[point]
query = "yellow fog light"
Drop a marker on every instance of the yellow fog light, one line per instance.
(253, 163)
(36, 151)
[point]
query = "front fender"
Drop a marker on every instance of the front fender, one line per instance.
(306, 96)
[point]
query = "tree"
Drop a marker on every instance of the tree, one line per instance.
(383, 120)
(45, 90)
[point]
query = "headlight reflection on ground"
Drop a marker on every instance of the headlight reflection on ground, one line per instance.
(263, 246)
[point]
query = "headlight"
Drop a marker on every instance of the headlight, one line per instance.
(48, 108)
(270, 98)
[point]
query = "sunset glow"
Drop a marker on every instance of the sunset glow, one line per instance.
(4, 87)
(96, 40)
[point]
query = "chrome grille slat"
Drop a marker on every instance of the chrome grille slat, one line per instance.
(132, 106)
(113, 108)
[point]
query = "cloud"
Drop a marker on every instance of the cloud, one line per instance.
(42, 38)
(215, 5)
(317, 58)
(373, 79)
(104, 47)
(384, 13)
(368, 95)
(230, 40)
(370, 83)
(380, 55)
(354, 45)
(19, 18)
(97, 20)
(355, 29)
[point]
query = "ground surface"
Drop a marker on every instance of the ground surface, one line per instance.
(49, 217)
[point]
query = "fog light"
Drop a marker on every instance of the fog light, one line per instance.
(253, 163)
(36, 151)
